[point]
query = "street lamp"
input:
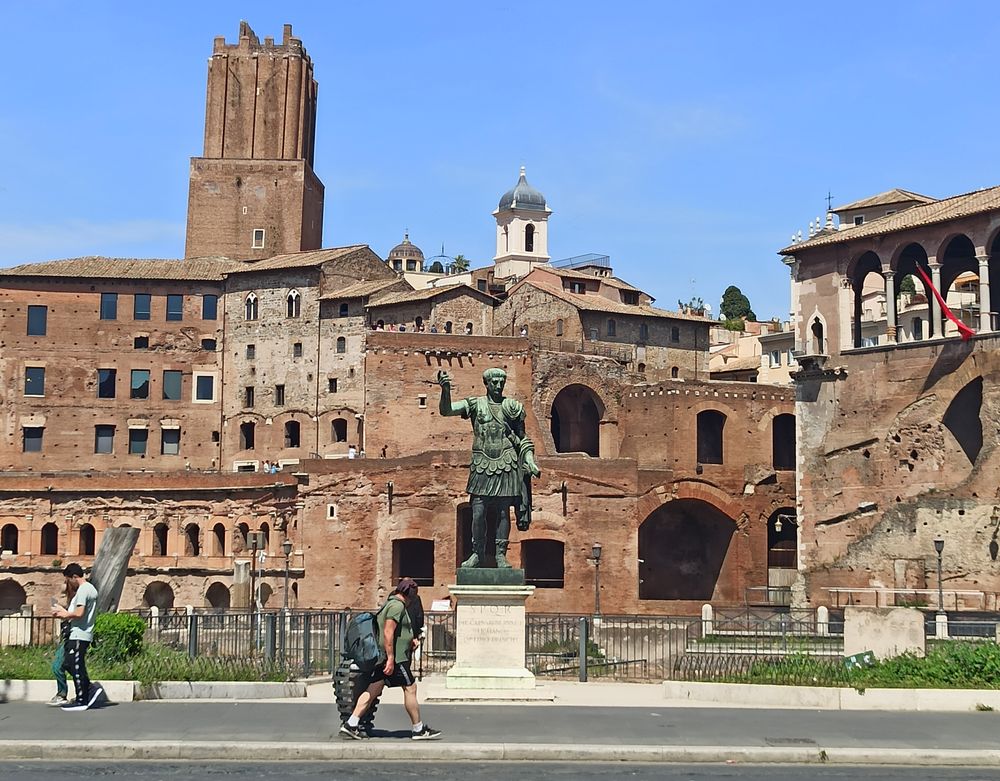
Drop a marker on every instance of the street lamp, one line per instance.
(939, 547)
(286, 548)
(595, 553)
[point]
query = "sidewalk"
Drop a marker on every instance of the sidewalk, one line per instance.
(586, 722)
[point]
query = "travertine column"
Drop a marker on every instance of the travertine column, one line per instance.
(890, 306)
(985, 321)
(932, 303)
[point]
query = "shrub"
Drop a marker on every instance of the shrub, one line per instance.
(118, 636)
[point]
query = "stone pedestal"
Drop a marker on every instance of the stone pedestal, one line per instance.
(489, 643)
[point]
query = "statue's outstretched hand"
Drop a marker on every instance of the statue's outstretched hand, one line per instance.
(529, 462)
(443, 379)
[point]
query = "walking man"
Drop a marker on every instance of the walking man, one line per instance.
(81, 613)
(396, 631)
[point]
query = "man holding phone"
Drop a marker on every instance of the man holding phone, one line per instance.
(81, 613)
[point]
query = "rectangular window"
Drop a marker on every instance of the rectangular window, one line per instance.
(209, 344)
(204, 387)
(258, 238)
(109, 306)
(332, 385)
(175, 307)
(170, 442)
(775, 358)
(580, 288)
(172, 385)
(251, 351)
(248, 396)
(37, 320)
(104, 439)
(279, 395)
(209, 307)
(32, 439)
(34, 380)
(139, 387)
(859, 220)
(481, 285)
(297, 350)
(138, 439)
(106, 382)
(140, 343)
(141, 306)
(675, 334)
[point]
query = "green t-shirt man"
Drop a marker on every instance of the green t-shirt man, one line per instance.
(395, 609)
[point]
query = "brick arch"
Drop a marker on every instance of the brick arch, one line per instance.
(548, 396)
(654, 499)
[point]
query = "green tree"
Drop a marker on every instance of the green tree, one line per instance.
(695, 306)
(460, 264)
(907, 285)
(735, 305)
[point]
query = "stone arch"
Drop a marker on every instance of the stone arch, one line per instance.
(192, 540)
(683, 546)
(913, 319)
(158, 594)
(867, 313)
(960, 281)
(159, 543)
(265, 591)
(265, 529)
(9, 538)
(219, 540)
(816, 336)
(576, 415)
(12, 597)
(218, 596)
(87, 539)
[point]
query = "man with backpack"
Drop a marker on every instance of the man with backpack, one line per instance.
(396, 632)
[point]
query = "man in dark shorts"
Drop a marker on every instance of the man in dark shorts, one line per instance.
(396, 631)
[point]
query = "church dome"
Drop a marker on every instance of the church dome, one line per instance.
(406, 250)
(523, 196)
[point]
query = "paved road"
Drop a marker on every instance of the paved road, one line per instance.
(460, 771)
(524, 724)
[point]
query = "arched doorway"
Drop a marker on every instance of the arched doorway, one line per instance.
(576, 421)
(782, 540)
(217, 596)
(682, 549)
(50, 539)
(158, 594)
(960, 283)
(869, 301)
(8, 538)
(12, 597)
(87, 540)
(913, 317)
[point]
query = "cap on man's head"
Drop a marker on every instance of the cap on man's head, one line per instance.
(73, 570)
(406, 587)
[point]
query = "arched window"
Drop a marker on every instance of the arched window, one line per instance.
(817, 336)
(710, 427)
(219, 539)
(612, 327)
(641, 368)
(218, 596)
(87, 540)
(344, 309)
(50, 539)
(158, 594)
(468, 329)
(292, 433)
(293, 304)
(159, 540)
(192, 540)
(8, 538)
(674, 372)
(643, 332)
(338, 430)
(529, 238)
(12, 597)
(250, 307)
(559, 327)
(783, 442)
(266, 531)
(447, 327)
(341, 344)
(418, 323)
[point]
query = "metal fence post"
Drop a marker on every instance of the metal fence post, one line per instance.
(306, 650)
(270, 636)
(331, 662)
(584, 636)
(192, 634)
(284, 635)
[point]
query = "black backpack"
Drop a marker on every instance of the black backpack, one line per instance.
(362, 643)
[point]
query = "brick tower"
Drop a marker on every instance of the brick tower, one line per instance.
(253, 193)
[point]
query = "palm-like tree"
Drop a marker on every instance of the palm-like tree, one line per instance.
(460, 264)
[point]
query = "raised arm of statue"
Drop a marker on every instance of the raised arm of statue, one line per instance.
(446, 407)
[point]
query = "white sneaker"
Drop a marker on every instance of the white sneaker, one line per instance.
(57, 702)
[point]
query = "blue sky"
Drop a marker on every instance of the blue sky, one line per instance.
(686, 140)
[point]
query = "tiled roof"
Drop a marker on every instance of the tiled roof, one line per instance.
(746, 363)
(614, 282)
(591, 302)
(424, 294)
(952, 208)
(124, 268)
(361, 289)
(296, 259)
(887, 198)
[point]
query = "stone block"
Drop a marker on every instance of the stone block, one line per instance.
(886, 632)
(482, 576)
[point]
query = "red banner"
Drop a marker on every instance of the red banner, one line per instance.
(963, 329)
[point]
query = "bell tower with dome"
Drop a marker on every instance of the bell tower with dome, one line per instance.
(522, 230)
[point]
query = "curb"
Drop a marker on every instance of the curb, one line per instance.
(497, 752)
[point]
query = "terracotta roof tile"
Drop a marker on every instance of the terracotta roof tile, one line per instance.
(591, 302)
(952, 208)
(124, 268)
(887, 198)
(424, 294)
(296, 259)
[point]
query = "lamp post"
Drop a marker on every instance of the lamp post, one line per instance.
(286, 548)
(595, 553)
(939, 547)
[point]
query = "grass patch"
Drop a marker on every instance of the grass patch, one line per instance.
(152, 664)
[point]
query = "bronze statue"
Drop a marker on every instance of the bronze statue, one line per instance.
(503, 462)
